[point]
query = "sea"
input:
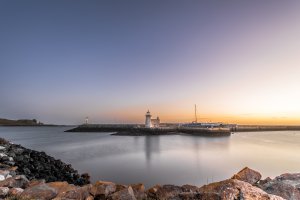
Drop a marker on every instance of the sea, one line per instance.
(173, 159)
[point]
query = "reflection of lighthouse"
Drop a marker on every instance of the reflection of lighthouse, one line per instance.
(148, 120)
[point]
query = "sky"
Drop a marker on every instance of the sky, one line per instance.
(239, 61)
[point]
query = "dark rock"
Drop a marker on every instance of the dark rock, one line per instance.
(38, 165)
(266, 180)
(189, 196)
(164, 192)
(189, 188)
(248, 175)
(120, 187)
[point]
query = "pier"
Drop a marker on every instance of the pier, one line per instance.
(137, 130)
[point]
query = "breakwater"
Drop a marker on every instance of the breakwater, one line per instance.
(133, 130)
(257, 128)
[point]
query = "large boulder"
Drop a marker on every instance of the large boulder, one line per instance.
(248, 175)
(101, 189)
(41, 191)
(232, 189)
(125, 194)
(76, 193)
(285, 185)
(164, 192)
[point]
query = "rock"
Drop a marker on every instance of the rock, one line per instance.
(139, 190)
(8, 176)
(286, 185)
(151, 192)
(102, 189)
(61, 186)
(164, 192)
(4, 173)
(268, 179)
(89, 198)
(83, 180)
(41, 191)
(73, 192)
(248, 175)
(2, 155)
(2, 177)
(189, 188)
(15, 191)
(125, 194)
(4, 166)
(120, 187)
(190, 196)
(35, 182)
(3, 191)
(2, 148)
(232, 189)
(19, 181)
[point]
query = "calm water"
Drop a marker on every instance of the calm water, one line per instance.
(164, 159)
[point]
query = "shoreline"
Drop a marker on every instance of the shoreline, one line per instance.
(18, 183)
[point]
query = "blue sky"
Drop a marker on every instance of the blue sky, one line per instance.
(112, 60)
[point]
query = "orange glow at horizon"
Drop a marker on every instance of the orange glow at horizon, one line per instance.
(137, 115)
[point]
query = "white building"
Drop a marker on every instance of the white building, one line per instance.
(155, 122)
(151, 123)
(148, 120)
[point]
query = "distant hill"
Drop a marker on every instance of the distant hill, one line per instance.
(20, 122)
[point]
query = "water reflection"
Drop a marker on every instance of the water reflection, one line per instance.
(151, 147)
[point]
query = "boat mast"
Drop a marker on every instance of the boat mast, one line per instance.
(196, 120)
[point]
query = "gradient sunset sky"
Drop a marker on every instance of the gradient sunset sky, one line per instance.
(63, 60)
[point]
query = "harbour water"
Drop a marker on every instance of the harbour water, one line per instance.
(174, 159)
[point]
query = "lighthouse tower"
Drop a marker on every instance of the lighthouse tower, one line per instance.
(148, 120)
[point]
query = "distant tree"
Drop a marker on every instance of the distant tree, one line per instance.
(34, 121)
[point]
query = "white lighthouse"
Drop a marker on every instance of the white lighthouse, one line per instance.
(148, 120)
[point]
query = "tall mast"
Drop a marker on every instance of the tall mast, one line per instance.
(196, 120)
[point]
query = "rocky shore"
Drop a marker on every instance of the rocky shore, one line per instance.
(26, 174)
